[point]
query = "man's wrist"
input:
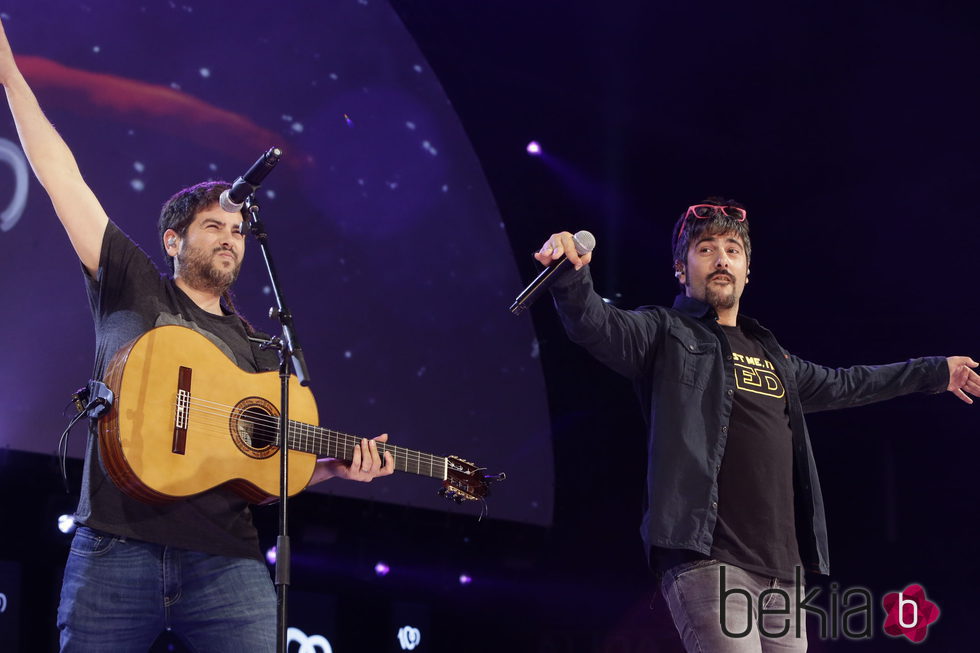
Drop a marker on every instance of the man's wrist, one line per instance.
(571, 278)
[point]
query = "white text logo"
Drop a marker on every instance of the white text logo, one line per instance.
(10, 153)
(409, 637)
(308, 643)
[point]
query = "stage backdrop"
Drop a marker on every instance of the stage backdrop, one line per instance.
(392, 253)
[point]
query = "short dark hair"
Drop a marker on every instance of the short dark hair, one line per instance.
(178, 212)
(717, 224)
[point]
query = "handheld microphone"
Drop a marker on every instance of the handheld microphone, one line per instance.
(233, 198)
(584, 243)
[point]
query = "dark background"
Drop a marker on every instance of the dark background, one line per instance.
(848, 130)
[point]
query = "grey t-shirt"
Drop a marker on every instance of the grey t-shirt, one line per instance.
(128, 298)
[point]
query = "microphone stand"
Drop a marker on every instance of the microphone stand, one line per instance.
(290, 356)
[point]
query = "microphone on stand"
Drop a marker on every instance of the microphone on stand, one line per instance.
(584, 243)
(233, 198)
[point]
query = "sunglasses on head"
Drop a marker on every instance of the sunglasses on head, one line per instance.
(706, 211)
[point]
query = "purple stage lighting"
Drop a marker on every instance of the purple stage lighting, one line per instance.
(381, 569)
(465, 579)
(270, 555)
(534, 148)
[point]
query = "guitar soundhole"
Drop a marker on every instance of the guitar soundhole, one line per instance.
(255, 427)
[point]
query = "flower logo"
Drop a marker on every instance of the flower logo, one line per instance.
(909, 613)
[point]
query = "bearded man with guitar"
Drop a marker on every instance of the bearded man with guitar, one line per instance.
(190, 563)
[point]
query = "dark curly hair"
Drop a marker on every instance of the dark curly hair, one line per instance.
(717, 224)
(178, 213)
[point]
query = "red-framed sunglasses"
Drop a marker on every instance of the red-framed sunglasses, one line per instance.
(705, 211)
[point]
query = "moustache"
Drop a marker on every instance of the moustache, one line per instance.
(714, 275)
(219, 250)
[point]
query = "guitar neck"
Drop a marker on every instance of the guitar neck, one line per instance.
(327, 443)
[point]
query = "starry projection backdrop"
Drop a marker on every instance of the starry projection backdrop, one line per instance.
(391, 251)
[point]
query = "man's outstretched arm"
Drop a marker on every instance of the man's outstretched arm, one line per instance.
(824, 388)
(621, 340)
(77, 207)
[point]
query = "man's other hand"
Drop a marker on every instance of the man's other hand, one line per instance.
(962, 379)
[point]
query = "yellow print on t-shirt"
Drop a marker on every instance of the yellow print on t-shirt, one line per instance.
(754, 374)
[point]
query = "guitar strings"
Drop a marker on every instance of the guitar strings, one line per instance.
(297, 430)
(298, 434)
(217, 427)
(214, 417)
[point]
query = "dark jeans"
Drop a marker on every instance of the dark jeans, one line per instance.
(693, 591)
(119, 594)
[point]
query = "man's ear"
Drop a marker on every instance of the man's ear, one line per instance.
(679, 272)
(170, 242)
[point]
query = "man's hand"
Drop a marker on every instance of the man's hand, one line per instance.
(560, 244)
(962, 379)
(365, 466)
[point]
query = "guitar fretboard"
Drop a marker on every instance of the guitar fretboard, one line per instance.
(326, 443)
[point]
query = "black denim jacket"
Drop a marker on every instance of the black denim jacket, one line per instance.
(682, 370)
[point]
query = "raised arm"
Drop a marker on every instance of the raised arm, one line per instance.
(621, 340)
(77, 207)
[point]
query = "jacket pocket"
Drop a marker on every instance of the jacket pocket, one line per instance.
(695, 358)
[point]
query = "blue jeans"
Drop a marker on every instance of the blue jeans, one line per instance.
(119, 594)
(700, 593)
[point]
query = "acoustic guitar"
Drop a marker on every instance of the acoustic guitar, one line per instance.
(186, 419)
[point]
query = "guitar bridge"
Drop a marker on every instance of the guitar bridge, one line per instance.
(182, 414)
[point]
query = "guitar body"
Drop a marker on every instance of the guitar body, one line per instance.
(186, 419)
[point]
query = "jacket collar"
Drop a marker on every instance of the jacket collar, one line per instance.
(698, 309)
(693, 307)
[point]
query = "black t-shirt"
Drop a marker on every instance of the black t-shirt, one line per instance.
(756, 527)
(128, 298)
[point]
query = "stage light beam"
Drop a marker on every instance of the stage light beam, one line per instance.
(66, 524)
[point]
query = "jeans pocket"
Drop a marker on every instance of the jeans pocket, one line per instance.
(90, 543)
(687, 567)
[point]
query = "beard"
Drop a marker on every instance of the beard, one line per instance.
(723, 298)
(199, 271)
(720, 297)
